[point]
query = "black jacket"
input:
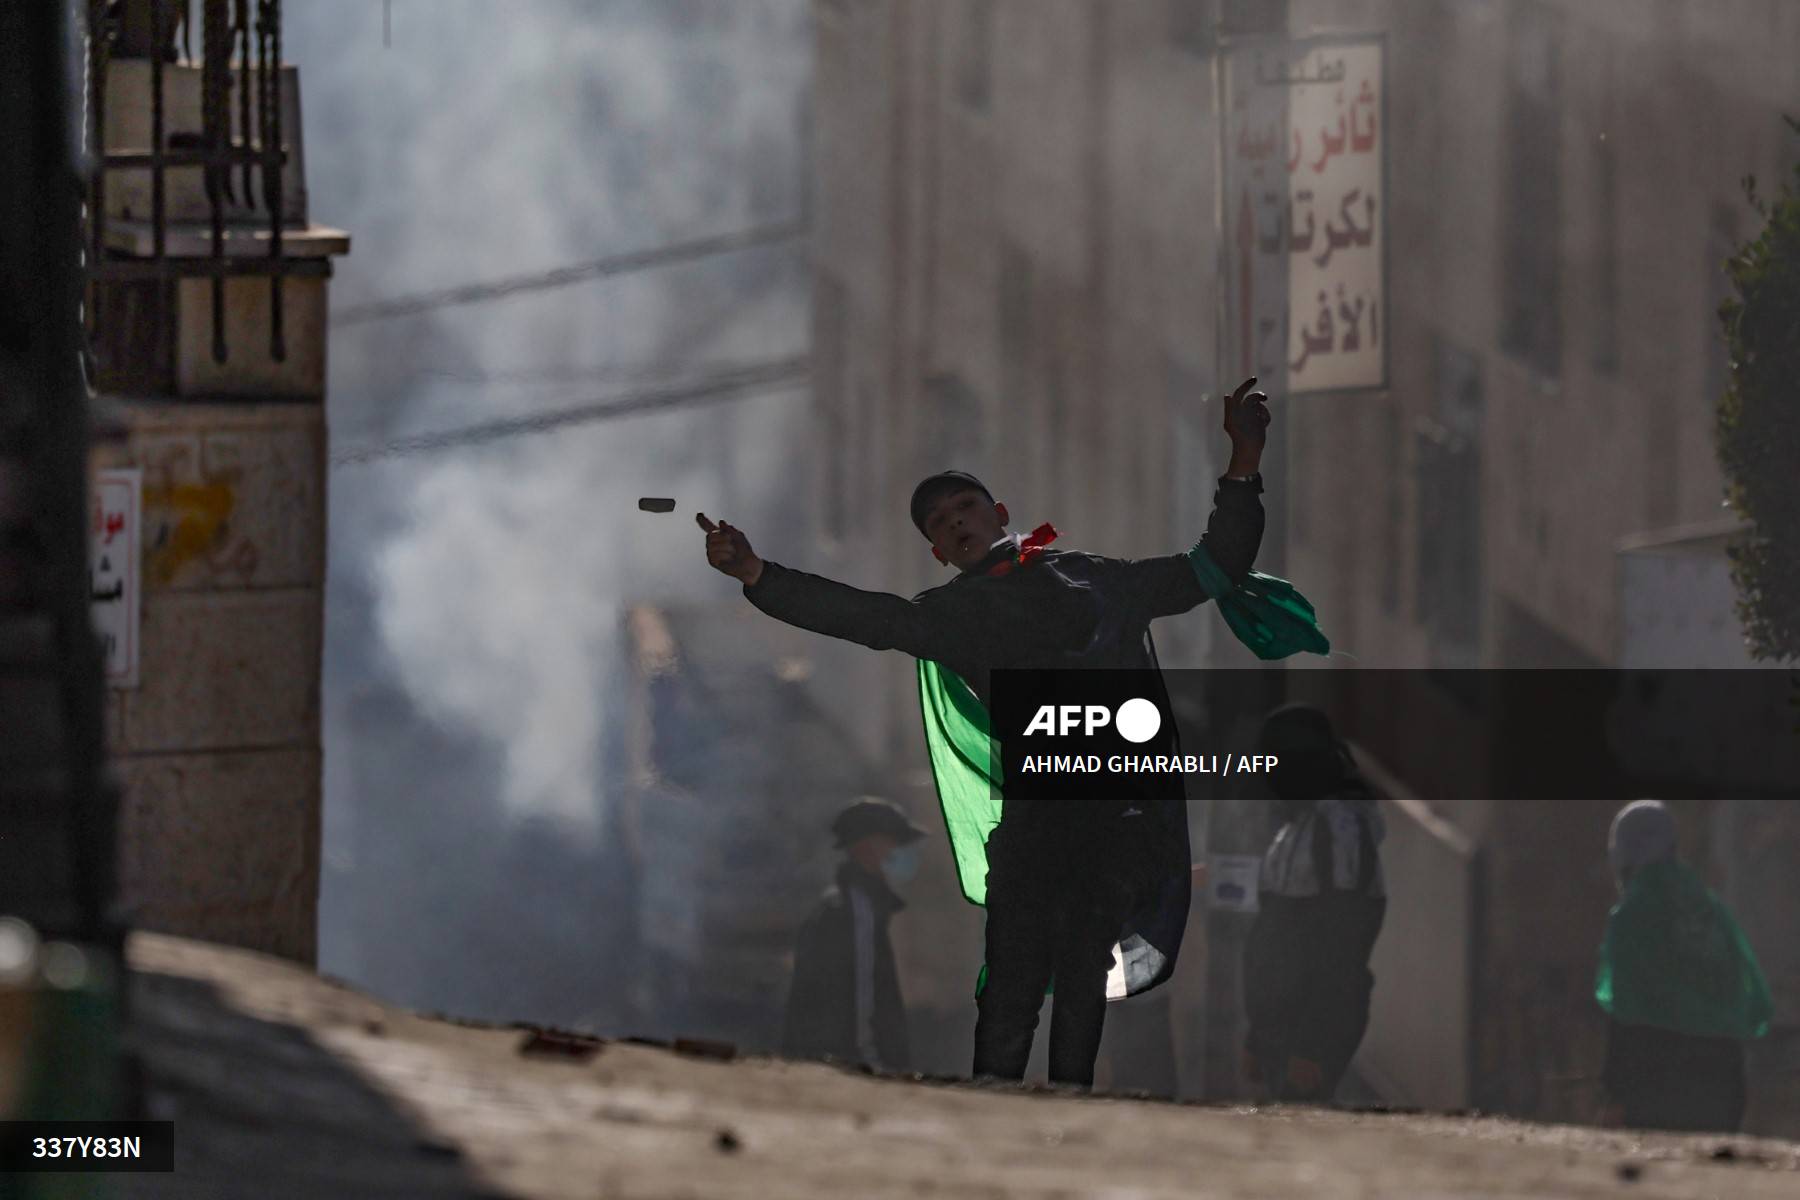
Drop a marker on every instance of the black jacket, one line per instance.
(845, 1000)
(1067, 610)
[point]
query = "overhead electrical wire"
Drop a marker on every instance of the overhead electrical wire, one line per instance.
(740, 383)
(568, 373)
(600, 268)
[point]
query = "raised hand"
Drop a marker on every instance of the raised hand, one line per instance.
(728, 550)
(1247, 425)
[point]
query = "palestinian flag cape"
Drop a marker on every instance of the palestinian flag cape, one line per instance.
(1266, 614)
(1673, 958)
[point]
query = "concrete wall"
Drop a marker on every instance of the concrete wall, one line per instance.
(250, 368)
(218, 747)
(1677, 604)
(1417, 1052)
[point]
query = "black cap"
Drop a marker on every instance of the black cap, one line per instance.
(869, 815)
(933, 486)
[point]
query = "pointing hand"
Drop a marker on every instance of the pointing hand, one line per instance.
(1247, 425)
(728, 550)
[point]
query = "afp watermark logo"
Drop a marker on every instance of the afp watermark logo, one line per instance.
(1136, 720)
(1065, 732)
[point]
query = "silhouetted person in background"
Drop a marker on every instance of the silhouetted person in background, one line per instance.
(845, 1001)
(1680, 986)
(1320, 903)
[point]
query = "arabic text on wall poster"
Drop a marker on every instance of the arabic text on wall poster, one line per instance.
(1304, 168)
(114, 571)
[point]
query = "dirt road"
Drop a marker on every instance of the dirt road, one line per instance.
(285, 1085)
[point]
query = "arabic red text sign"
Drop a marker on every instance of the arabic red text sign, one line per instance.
(1305, 212)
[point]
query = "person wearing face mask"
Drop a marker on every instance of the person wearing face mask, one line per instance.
(1321, 899)
(1680, 986)
(845, 1000)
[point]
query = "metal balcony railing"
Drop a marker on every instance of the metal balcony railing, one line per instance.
(131, 295)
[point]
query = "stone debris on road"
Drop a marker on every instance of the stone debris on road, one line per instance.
(274, 1074)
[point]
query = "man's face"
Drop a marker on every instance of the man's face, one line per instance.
(868, 851)
(963, 525)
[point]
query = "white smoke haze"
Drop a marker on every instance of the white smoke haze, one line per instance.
(479, 647)
(475, 594)
(514, 645)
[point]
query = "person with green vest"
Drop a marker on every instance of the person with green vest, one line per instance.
(1095, 899)
(1680, 986)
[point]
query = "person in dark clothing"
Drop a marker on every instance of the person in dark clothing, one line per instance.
(1679, 984)
(1662, 1079)
(1058, 883)
(1321, 899)
(845, 1001)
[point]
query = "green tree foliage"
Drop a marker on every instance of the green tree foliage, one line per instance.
(1759, 423)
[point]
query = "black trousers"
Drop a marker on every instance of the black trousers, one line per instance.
(1307, 984)
(1675, 1081)
(1056, 902)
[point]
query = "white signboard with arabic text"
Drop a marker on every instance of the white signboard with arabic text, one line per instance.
(1305, 212)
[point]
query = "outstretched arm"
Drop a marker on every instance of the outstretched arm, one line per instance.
(728, 551)
(1234, 531)
(878, 620)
